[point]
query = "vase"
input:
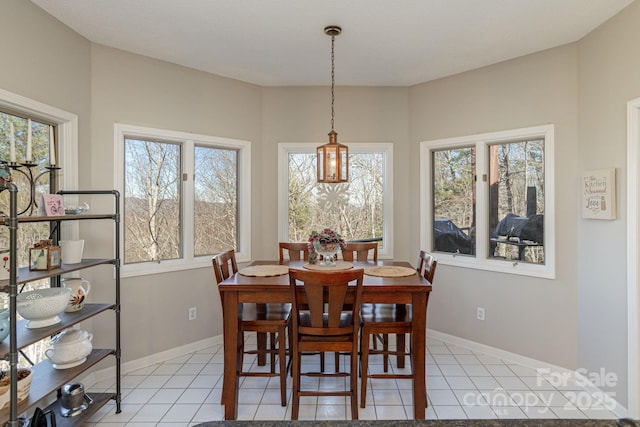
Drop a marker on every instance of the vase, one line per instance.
(328, 251)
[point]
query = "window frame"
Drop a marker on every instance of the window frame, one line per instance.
(481, 142)
(187, 141)
(66, 143)
(66, 137)
(285, 148)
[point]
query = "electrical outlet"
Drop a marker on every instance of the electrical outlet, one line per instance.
(193, 313)
(480, 313)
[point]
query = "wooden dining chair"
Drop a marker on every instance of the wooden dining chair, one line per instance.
(355, 251)
(272, 319)
(360, 251)
(296, 251)
(384, 319)
(325, 318)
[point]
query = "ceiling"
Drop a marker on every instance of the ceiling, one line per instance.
(383, 42)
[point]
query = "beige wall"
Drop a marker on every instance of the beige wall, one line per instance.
(524, 315)
(576, 320)
(47, 62)
(132, 89)
(609, 77)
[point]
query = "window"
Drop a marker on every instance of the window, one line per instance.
(359, 210)
(487, 201)
(22, 145)
(17, 109)
(185, 198)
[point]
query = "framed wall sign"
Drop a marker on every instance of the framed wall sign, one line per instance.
(599, 194)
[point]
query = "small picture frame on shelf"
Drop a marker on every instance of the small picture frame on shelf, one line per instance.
(51, 205)
(44, 256)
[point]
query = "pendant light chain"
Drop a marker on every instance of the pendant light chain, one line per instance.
(333, 39)
(333, 157)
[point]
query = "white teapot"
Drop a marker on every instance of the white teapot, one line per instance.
(69, 348)
(80, 288)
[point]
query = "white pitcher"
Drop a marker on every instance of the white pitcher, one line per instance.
(80, 288)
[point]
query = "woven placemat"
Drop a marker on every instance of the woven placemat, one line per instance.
(264, 270)
(389, 271)
(340, 265)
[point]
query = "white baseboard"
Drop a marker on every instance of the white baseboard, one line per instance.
(528, 362)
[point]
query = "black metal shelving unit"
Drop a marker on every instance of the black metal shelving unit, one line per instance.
(46, 379)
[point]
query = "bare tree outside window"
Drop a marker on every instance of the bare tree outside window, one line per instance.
(353, 209)
(186, 197)
(216, 200)
(516, 200)
(152, 203)
(454, 196)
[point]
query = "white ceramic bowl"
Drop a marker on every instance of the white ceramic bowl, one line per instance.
(69, 348)
(41, 307)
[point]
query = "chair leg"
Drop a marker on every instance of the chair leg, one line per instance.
(272, 347)
(295, 399)
(400, 348)
(261, 338)
(364, 363)
(353, 376)
(290, 349)
(337, 361)
(385, 349)
(282, 354)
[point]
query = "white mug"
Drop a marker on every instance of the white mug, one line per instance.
(72, 251)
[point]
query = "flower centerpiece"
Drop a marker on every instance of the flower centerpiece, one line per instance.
(326, 243)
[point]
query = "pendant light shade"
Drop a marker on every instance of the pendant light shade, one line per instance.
(333, 158)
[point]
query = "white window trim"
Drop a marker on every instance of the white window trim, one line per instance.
(284, 148)
(481, 261)
(67, 124)
(188, 261)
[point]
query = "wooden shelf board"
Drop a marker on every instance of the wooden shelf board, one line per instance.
(25, 275)
(99, 400)
(64, 217)
(26, 337)
(47, 380)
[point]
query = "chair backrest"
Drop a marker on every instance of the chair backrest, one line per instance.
(427, 265)
(359, 251)
(297, 251)
(224, 265)
(325, 297)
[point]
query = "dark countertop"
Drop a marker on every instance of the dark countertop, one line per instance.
(426, 423)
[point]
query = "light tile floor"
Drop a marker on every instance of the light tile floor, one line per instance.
(461, 383)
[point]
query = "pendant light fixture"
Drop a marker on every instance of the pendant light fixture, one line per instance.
(333, 158)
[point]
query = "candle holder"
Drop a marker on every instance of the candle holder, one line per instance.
(27, 169)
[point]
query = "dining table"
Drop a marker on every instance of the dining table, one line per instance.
(247, 286)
